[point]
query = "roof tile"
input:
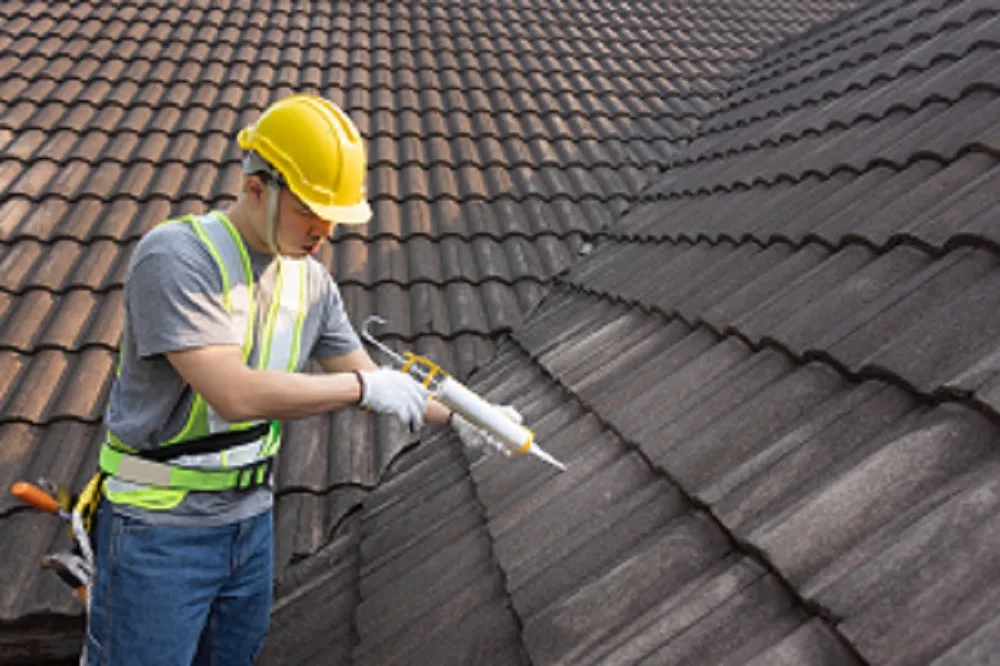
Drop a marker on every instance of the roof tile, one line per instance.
(905, 306)
(950, 339)
(661, 563)
(915, 455)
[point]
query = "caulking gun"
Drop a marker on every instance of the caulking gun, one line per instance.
(504, 433)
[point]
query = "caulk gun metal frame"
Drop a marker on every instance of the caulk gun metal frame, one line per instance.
(421, 368)
(512, 437)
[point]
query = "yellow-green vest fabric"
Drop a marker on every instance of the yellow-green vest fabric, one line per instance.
(277, 336)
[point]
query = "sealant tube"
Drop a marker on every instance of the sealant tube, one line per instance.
(514, 436)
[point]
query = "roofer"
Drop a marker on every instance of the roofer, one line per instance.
(220, 311)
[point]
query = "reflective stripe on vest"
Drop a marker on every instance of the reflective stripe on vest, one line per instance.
(278, 344)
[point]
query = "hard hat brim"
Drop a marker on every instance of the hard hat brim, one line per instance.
(359, 213)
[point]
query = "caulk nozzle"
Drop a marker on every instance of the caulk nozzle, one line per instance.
(540, 453)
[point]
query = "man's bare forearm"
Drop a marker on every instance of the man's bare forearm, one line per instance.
(270, 394)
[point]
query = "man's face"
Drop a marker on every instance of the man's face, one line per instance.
(300, 231)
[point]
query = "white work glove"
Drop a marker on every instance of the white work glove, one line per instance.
(475, 438)
(389, 391)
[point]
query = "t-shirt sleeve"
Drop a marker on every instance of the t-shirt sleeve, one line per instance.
(336, 334)
(173, 296)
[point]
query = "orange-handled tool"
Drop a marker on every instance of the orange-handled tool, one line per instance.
(75, 567)
(38, 498)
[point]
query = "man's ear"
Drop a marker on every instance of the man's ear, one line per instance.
(255, 189)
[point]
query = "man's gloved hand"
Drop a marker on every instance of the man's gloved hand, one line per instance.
(389, 391)
(475, 438)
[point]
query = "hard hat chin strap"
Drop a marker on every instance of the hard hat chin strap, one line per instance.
(273, 191)
(254, 164)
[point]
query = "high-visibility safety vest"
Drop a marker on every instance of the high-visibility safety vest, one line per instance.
(159, 480)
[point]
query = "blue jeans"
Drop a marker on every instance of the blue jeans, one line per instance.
(179, 596)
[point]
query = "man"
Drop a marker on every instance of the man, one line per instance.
(221, 311)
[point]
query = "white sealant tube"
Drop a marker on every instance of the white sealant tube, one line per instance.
(514, 436)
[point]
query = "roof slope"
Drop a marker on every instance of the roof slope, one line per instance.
(502, 137)
(776, 378)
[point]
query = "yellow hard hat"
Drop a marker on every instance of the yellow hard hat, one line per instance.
(318, 152)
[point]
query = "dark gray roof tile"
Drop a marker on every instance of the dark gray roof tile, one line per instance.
(304, 522)
(431, 624)
(424, 473)
(603, 608)
(829, 438)
(976, 647)
(729, 274)
(950, 339)
(757, 289)
(397, 629)
(733, 633)
(51, 395)
(564, 313)
(825, 308)
(945, 443)
(879, 188)
(438, 512)
(593, 453)
(446, 566)
(965, 212)
(679, 610)
(905, 212)
(381, 568)
(855, 340)
(773, 410)
(811, 644)
(487, 635)
(632, 389)
(951, 595)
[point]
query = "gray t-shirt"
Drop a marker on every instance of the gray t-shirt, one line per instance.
(173, 301)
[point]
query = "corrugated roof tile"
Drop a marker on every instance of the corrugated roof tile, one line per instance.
(950, 339)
